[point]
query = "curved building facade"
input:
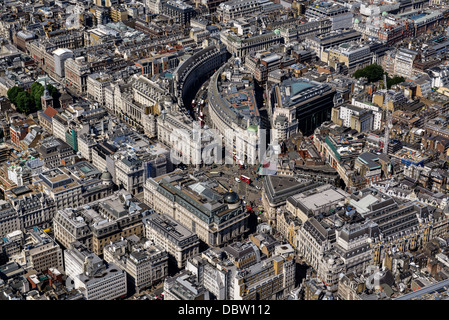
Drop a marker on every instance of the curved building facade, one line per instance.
(240, 129)
(191, 74)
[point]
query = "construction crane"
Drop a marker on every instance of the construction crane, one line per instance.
(388, 117)
(387, 130)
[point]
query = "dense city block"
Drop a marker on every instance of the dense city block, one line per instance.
(227, 150)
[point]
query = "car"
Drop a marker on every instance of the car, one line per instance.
(258, 188)
(237, 179)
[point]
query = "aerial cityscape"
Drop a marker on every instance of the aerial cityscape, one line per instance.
(224, 150)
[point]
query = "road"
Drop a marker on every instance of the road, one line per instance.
(229, 172)
(248, 192)
(201, 95)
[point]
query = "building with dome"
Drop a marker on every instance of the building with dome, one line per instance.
(216, 215)
(232, 199)
(95, 184)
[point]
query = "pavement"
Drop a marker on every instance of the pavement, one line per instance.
(230, 172)
(248, 192)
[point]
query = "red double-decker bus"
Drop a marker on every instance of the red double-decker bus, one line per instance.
(245, 179)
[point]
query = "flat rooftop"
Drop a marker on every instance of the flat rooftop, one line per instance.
(320, 197)
(244, 102)
(410, 154)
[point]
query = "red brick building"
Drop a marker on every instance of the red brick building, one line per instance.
(19, 130)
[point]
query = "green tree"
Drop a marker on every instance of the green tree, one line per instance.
(29, 102)
(373, 73)
(13, 92)
(35, 87)
(394, 80)
(37, 90)
(24, 102)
